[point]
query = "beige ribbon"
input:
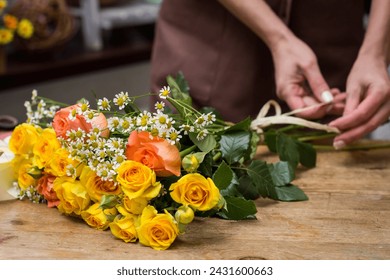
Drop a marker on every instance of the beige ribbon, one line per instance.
(262, 121)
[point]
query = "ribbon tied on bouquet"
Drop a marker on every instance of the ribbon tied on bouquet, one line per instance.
(263, 121)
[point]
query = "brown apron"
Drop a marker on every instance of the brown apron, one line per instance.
(229, 68)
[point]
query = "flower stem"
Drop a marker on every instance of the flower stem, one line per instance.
(187, 151)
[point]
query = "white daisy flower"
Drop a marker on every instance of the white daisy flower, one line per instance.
(164, 92)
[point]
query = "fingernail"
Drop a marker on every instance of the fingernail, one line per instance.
(327, 96)
(338, 145)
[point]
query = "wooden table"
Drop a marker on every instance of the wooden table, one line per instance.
(347, 217)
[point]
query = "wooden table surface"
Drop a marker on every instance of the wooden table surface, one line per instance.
(347, 216)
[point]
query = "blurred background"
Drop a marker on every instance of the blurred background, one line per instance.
(80, 48)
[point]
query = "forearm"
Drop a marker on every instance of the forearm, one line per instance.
(259, 17)
(377, 39)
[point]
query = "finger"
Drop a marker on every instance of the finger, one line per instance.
(317, 83)
(360, 131)
(365, 110)
(298, 102)
(353, 99)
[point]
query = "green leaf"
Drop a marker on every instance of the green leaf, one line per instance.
(290, 193)
(108, 201)
(179, 89)
(238, 208)
(261, 177)
(234, 146)
(223, 176)
(281, 172)
(247, 189)
(270, 140)
(205, 145)
(243, 125)
(205, 167)
(182, 82)
(287, 149)
(307, 154)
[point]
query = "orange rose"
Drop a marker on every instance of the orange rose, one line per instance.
(62, 123)
(45, 188)
(156, 153)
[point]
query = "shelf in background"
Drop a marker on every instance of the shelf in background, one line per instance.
(122, 46)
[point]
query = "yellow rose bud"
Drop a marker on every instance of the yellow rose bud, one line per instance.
(184, 215)
(23, 139)
(196, 191)
(124, 228)
(158, 231)
(191, 162)
(98, 218)
(136, 205)
(72, 195)
(137, 180)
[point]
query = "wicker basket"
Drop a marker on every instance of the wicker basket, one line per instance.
(53, 24)
(102, 3)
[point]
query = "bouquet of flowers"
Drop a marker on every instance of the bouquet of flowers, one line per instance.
(10, 26)
(146, 175)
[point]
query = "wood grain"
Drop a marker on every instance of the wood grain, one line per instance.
(347, 216)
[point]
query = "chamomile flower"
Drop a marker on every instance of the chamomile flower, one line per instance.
(34, 95)
(113, 123)
(159, 106)
(201, 121)
(104, 104)
(89, 116)
(73, 114)
(121, 99)
(186, 128)
(143, 120)
(164, 92)
(202, 134)
(173, 136)
(161, 119)
(210, 118)
(71, 171)
(126, 125)
(84, 106)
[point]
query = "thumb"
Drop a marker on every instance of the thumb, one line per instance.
(317, 83)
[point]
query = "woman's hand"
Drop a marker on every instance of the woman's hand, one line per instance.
(368, 101)
(299, 81)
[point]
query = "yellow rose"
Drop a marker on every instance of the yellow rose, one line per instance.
(158, 231)
(125, 228)
(98, 218)
(23, 139)
(137, 180)
(96, 187)
(196, 191)
(21, 167)
(25, 28)
(72, 195)
(6, 36)
(44, 149)
(134, 206)
(59, 163)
